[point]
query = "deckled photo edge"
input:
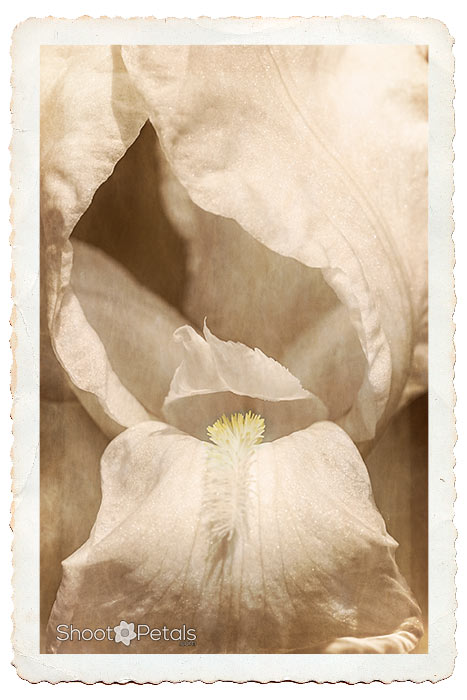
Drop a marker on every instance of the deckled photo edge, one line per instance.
(25, 373)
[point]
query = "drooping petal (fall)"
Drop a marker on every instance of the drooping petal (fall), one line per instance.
(307, 559)
(277, 138)
(217, 377)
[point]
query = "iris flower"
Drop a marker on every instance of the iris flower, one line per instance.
(235, 290)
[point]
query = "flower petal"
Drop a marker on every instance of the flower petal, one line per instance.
(134, 325)
(398, 468)
(89, 116)
(218, 377)
(315, 563)
(70, 450)
(274, 142)
(265, 300)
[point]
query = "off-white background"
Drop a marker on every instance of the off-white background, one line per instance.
(448, 11)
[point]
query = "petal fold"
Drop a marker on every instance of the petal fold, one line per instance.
(220, 377)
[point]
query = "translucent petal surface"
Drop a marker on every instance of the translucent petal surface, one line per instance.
(134, 325)
(218, 377)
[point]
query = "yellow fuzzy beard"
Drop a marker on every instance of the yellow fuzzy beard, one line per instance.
(229, 483)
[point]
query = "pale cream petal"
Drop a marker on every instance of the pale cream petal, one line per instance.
(281, 146)
(217, 377)
(313, 564)
(126, 220)
(398, 467)
(331, 520)
(402, 641)
(417, 382)
(134, 325)
(387, 90)
(89, 116)
(54, 382)
(151, 486)
(253, 295)
(70, 450)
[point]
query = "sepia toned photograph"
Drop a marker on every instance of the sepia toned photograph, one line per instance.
(233, 443)
(234, 349)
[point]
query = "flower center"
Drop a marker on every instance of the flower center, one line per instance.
(229, 482)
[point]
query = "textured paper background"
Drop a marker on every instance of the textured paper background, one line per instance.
(25, 53)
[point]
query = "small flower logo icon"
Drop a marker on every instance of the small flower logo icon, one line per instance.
(125, 632)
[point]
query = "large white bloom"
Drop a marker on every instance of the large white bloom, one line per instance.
(295, 178)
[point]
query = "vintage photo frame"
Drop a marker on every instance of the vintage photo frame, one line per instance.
(375, 438)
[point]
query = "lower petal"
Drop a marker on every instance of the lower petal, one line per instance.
(70, 450)
(316, 563)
